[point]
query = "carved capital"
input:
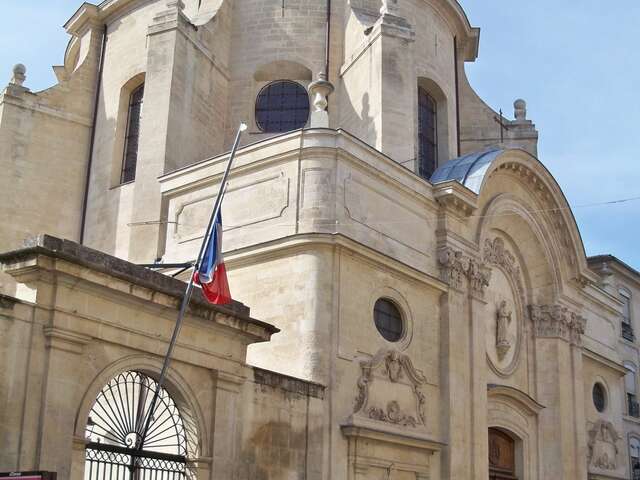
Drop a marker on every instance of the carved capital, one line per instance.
(556, 321)
(455, 267)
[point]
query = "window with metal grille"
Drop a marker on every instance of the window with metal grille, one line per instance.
(627, 328)
(388, 320)
(118, 446)
(282, 106)
(427, 134)
(132, 136)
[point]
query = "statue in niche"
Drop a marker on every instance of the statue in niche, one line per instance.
(504, 320)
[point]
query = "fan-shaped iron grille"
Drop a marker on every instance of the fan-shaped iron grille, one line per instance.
(115, 429)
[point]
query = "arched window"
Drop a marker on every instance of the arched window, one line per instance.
(631, 389)
(627, 327)
(132, 135)
(282, 106)
(427, 134)
(118, 449)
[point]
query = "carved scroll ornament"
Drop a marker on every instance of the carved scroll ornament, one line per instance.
(395, 368)
(602, 446)
(556, 321)
(495, 253)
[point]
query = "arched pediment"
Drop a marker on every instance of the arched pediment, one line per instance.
(477, 170)
(517, 398)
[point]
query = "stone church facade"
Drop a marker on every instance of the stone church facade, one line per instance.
(421, 305)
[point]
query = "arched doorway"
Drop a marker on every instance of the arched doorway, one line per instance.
(502, 456)
(115, 425)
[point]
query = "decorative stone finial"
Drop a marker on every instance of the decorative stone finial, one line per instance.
(319, 91)
(520, 109)
(19, 74)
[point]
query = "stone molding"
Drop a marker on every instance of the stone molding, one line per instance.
(602, 447)
(65, 340)
(455, 267)
(556, 321)
(395, 368)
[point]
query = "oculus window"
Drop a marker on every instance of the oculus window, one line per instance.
(599, 397)
(132, 136)
(282, 106)
(388, 320)
(427, 134)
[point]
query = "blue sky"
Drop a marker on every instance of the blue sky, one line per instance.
(574, 61)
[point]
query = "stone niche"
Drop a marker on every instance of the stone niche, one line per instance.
(387, 430)
(504, 308)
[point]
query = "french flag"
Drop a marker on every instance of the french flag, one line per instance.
(212, 275)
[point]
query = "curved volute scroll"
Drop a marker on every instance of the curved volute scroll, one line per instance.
(389, 390)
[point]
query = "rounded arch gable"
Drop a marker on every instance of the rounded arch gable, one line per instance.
(537, 200)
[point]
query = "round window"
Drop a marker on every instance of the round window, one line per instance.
(388, 320)
(599, 397)
(282, 106)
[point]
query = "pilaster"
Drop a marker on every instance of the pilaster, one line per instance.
(558, 333)
(463, 363)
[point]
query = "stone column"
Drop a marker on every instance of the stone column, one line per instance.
(559, 366)
(60, 394)
(225, 431)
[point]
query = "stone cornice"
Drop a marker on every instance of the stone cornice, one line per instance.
(557, 321)
(455, 198)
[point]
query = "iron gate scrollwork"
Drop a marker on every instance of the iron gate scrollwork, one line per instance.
(117, 449)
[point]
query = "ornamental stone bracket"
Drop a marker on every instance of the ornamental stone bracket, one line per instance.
(602, 447)
(456, 268)
(389, 391)
(556, 321)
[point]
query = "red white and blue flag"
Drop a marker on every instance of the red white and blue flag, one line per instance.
(212, 275)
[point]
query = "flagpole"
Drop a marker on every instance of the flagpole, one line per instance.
(187, 295)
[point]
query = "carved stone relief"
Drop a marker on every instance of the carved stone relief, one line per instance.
(556, 321)
(603, 446)
(389, 390)
(503, 345)
(495, 253)
(456, 267)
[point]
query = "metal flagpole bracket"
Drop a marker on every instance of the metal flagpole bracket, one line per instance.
(188, 292)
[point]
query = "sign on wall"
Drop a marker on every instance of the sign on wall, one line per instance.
(28, 476)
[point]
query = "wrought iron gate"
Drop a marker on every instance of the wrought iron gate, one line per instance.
(118, 450)
(106, 462)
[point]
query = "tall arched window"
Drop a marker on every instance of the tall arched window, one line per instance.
(627, 327)
(427, 134)
(132, 136)
(631, 389)
(118, 449)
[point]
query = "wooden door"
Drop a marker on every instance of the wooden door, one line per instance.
(502, 456)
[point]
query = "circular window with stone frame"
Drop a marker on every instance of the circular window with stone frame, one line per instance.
(599, 395)
(388, 320)
(282, 106)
